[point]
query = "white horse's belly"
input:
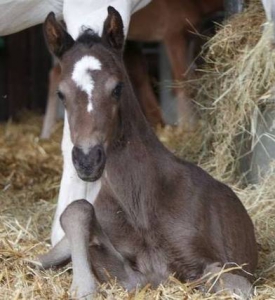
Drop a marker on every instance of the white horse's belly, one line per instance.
(92, 14)
(18, 15)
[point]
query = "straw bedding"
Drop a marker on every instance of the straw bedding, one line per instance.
(237, 79)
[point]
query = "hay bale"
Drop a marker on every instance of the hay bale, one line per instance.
(239, 72)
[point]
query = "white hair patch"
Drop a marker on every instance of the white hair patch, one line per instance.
(83, 79)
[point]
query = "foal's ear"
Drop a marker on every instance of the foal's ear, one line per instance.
(57, 38)
(113, 34)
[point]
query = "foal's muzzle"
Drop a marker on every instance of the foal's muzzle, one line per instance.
(89, 166)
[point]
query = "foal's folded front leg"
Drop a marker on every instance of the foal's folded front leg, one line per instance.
(86, 241)
(59, 255)
(77, 223)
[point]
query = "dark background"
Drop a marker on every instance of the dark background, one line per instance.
(24, 67)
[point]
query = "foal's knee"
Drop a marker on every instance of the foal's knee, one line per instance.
(79, 212)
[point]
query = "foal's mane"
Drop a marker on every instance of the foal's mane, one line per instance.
(88, 37)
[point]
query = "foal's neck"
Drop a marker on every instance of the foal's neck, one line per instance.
(133, 124)
(133, 165)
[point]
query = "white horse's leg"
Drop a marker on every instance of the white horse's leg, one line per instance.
(72, 187)
(269, 6)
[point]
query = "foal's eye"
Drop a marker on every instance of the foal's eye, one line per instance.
(116, 93)
(60, 95)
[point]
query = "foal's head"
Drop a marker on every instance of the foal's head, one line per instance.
(91, 86)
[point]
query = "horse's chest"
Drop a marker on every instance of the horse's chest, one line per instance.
(146, 257)
(143, 249)
(153, 264)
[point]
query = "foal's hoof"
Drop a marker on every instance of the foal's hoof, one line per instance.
(220, 280)
(83, 293)
(44, 261)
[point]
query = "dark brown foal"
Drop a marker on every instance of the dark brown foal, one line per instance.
(154, 214)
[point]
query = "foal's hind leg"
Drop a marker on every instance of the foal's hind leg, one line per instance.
(233, 283)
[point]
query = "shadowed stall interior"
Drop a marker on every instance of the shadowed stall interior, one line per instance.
(25, 65)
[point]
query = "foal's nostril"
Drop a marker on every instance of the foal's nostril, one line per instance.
(75, 153)
(99, 155)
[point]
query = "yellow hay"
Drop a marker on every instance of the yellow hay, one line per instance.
(240, 70)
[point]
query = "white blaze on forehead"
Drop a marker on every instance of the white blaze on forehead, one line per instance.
(83, 79)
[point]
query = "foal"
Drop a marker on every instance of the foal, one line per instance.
(154, 214)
